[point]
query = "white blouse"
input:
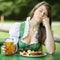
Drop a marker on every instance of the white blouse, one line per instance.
(15, 34)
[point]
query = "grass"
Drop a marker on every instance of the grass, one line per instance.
(56, 29)
(3, 35)
(57, 48)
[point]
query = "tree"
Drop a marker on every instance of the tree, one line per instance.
(5, 8)
(16, 7)
(19, 9)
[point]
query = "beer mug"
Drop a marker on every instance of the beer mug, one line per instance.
(9, 47)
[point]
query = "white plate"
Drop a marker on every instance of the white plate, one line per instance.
(35, 55)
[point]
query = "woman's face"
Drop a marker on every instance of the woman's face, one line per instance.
(41, 12)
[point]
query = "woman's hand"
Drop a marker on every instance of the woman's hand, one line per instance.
(3, 49)
(46, 22)
(9, 47)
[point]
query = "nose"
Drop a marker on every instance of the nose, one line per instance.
(42, 14)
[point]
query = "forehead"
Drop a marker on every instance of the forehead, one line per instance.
(42, 7)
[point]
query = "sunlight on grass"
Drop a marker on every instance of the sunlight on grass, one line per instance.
(3, 35)
(56, 29)
(57, 48)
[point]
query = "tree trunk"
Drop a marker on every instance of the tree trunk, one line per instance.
(2, 18)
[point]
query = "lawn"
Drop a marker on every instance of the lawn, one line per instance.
(57, 48)
(3, 35)
(56, 29)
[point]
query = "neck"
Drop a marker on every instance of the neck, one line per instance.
(34, 23)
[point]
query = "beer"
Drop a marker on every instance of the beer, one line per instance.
(9, 48)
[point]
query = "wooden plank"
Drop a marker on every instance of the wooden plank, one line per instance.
(5, 26)
(57, 38)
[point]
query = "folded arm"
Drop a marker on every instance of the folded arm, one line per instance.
(49, 42)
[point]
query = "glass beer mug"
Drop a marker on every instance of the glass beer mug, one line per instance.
(9, 47)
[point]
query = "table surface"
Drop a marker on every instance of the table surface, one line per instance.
(55, 56)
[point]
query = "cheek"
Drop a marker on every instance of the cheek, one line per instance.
(37, 14)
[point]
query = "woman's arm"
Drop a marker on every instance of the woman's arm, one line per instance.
(49, 42)
(14, 35)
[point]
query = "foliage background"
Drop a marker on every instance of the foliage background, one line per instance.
(19, 9)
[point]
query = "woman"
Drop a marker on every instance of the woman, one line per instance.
(37, 31)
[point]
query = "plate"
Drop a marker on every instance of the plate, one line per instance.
(35, 55)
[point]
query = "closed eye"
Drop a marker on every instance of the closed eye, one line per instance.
(45, 14)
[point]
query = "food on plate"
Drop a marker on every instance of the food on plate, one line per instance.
(29, 52)
(36, 53)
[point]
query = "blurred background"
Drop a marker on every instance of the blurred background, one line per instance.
(18, 10)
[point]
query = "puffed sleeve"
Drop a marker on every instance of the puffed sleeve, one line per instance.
(14, 32)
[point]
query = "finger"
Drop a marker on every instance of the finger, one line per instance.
(44, 17)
